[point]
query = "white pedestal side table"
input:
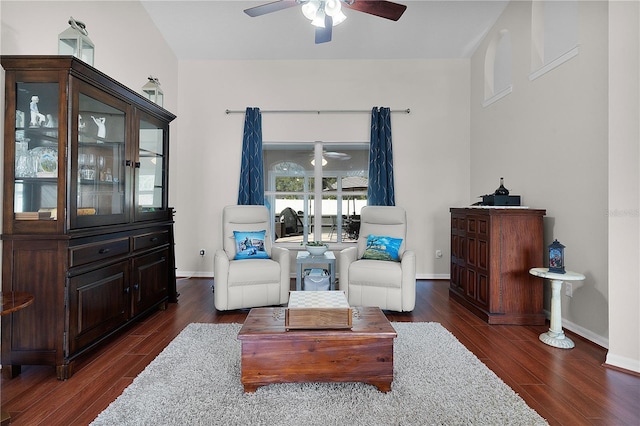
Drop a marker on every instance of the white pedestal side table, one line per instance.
(555, 336)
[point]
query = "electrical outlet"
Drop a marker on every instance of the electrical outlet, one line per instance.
(438, 254)
(202, 252)
(568, 289)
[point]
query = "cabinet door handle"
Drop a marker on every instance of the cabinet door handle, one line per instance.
(137, 165)
(127, 290)
(104, 251)
(127, 163)
(136, 287)
(154, 239)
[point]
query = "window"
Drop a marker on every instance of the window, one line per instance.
(297, 175)
(554, 35)
(497, 68)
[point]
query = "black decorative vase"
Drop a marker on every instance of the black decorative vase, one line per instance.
(501, 189)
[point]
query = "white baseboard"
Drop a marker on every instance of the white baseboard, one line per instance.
(433, 277)
(194, 274)
(209, 274)
(583, 332)
(623, 362)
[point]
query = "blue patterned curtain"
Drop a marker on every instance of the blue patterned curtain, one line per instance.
(251, 170)
(381, 189)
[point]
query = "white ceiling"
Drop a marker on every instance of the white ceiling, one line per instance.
(429, 29)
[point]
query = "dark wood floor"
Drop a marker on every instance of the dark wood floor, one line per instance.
(567, 387)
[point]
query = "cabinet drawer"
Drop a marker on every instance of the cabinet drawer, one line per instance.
(94, 252)
(150, 240)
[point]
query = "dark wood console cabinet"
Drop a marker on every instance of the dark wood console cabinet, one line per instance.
(86, 226)
(492, 250)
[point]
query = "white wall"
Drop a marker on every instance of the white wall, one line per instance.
(430, 144)
(624, 185)
(128, 45)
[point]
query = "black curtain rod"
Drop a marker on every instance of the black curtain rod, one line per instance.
(315, 111)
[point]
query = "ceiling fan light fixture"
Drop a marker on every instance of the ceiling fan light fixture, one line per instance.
(332, 7)
(318, 20)
(310, 8)
(339, 18)
(316, 10)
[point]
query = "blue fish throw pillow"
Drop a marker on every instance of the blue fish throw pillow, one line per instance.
(250, 245)
(382, 248)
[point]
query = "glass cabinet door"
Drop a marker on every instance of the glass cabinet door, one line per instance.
(36, 152)
(100, 167)
(151, 170)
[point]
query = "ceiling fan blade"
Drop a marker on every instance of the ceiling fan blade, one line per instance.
(383, 9)
(323, 35)
(270, 7)
(337, 155)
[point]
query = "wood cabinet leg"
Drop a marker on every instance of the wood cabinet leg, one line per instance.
(5, 418)
(382, 386)
(11, 371)
(64, 371)
(250, 388)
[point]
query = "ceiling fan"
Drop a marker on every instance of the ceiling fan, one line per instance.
(333, 155)
(325, 14)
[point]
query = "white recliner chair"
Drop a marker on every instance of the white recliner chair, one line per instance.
(387, 284)
(251, 281)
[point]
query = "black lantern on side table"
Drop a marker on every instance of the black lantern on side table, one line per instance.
(556, 257)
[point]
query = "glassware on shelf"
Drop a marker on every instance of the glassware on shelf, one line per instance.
(19, 119)
(87, 166)
(101, 172)
(24, 160)
(91, 161)
(91, 167)
(82, 160)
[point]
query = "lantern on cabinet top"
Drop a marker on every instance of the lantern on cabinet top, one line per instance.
(75, 41)
(556, 257)
(152, 90)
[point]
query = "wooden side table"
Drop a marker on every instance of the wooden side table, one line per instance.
(555, 336)
(12, 301)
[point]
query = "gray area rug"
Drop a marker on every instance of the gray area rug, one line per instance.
(437, 381)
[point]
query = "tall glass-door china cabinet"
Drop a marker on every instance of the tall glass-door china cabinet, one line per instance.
(86, 224)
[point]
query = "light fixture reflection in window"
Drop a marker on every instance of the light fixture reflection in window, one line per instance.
(289, 167)
(324, 161)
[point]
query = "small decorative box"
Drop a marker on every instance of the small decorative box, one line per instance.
(317, 310)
